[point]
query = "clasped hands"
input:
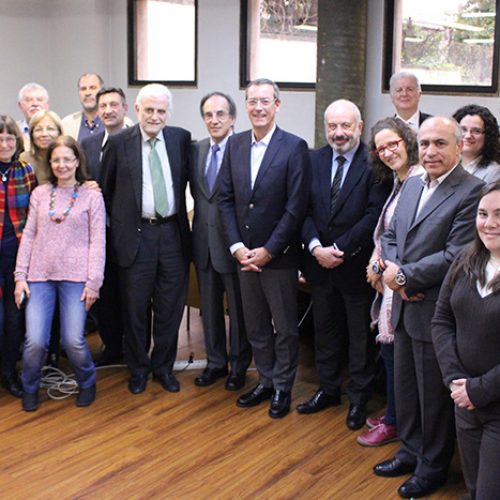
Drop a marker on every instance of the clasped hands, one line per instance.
(389, 277)
(328, 257)
(459, 394)
(254, 259)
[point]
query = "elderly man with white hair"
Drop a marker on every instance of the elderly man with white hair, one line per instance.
(405, 94)
(145, 170)
(32, 98)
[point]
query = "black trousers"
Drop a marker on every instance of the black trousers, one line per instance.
(156, 280)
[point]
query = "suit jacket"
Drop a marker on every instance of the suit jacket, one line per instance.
(353, 221)
(92, 146)
(422, 117)
(209, 241)
(121, 182)
(425, 246)
(271, 214)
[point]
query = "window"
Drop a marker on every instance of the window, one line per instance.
(162, 41)
(279, 41)
(451, 45)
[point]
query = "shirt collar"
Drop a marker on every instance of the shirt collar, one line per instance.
(425, 178)
(221, 144)
(146, 138)
(414, 119)
(348, 155)
(266, 139)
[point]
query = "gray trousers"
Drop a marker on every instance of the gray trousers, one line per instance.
(270, 310)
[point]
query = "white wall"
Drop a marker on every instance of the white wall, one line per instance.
(54, 41)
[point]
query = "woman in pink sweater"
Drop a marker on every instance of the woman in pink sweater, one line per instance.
(61, 257)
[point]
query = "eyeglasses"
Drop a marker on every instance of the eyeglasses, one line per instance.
(9, 140)
(472, 131)
(391, 146)
(64, 160)
(265, 101)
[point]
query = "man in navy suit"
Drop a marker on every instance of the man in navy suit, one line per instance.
(112, 108)
(145, 170)
(215, 266)
(345, 203)
(263, 194)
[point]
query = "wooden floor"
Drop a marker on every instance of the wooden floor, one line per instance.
(195, 444)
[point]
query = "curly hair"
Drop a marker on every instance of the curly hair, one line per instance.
(399, 127)
(473, 260)
(491, 148)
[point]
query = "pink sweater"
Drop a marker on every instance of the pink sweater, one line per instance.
(73, 250)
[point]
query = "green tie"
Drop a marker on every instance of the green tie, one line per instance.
(159, 188)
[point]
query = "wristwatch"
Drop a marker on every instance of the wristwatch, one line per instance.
(376, 267)
(400, 278)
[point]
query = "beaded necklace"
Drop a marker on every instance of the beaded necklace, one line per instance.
(67, 210)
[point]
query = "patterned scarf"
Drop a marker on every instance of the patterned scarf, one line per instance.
(21, 182)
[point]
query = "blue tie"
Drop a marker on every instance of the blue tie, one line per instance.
(211, 174)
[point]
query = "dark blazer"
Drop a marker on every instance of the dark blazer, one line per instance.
(422, 117)
(122, 187)
(92, 147)
(425, 247)
(353, 221)
(271, 214)
(208, 234)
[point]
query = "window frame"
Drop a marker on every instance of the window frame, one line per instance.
(245, 59)
(388, 63)
(132, 51)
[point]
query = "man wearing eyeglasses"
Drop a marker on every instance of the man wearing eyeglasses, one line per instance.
(264, 188)
(345, 203)
(215, 266)
(405, 94)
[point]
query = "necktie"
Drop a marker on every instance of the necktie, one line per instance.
(158, 181)
(211, 174)
(337, 180)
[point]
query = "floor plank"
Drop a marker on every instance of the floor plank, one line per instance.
(195, 444)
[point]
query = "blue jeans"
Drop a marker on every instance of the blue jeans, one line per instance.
(72, 314)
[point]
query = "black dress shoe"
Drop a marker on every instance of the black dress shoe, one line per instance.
(319, 401)
(13, 385)
(86, 396)
(253, 398)
(356, 417)
(393, 468)
(235, 382)
(168, 382)
(209, 376)
(280, 404)
(417, 487)
(30, 401)
(137, 384)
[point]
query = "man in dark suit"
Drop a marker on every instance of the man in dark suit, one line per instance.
(112, 108)
(405, 94)
(263, 193)
(215, 266)
(145, 170)
(434, 219)
(345, 203)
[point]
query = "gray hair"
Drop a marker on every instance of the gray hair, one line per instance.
(264, 81)
(32, 86)
(155, 90)
(399, 76)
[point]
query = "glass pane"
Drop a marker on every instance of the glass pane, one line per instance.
(282, 36)
(166, 40)
(447, 42)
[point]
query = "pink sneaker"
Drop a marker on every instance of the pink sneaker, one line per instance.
(378, 436)
(372, 422)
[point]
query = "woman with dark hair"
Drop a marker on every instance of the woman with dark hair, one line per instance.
(481, 142)
(466, 337)
(395, 155)
(61, 258)
(17, 182)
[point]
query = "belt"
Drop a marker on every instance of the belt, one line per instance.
(156, 221)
